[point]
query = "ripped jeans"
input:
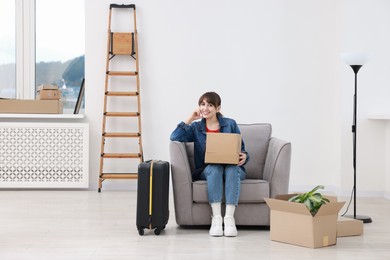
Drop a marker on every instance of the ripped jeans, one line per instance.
(218, 175)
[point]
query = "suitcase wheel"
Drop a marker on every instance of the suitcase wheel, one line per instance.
(158, 230)
(141, 231)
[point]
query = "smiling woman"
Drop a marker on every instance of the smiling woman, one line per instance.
(41, 42)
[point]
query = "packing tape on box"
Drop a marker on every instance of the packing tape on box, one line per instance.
(325, 241)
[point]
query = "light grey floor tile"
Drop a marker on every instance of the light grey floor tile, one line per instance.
(84, 225)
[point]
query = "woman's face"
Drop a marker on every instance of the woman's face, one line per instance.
(208, 110)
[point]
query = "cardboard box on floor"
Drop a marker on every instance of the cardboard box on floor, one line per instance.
(349, 227)
(223, 148)
(48, 92)
(19, 106)
(293, 223)
(346, 226)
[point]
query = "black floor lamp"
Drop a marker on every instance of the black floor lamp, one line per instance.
(356, 61)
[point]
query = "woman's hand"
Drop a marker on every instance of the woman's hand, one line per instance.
(196, 114)
(242, 159)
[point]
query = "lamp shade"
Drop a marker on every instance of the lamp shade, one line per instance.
(355, 58)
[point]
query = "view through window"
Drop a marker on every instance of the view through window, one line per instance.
(7, 50)
(52, 52)
(60, 46)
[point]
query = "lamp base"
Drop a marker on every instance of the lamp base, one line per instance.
(365, 219)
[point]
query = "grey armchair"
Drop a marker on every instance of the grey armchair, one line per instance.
(268, 173)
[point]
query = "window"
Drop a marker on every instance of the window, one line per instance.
(42, 42)
(7, 49)
(60, 48)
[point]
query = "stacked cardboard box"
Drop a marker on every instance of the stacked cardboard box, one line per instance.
(18, 106)
(48, 92)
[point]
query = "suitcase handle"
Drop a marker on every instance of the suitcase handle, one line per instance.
(149, 161)
(122, 6)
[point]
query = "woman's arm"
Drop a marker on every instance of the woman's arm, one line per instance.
(184, 131)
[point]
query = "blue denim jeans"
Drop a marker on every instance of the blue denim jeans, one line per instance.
(217, 175)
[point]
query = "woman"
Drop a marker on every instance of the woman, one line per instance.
(217, 175)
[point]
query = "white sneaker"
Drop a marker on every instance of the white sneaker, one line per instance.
(230, 227)
(216, 226)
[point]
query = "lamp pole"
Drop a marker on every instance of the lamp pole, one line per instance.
(365, 219)
(355, 69)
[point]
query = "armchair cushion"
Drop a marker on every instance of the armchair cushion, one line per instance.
(252, 191)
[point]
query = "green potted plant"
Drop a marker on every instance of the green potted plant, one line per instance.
(312, 199)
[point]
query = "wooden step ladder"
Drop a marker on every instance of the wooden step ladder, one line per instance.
(124, 44)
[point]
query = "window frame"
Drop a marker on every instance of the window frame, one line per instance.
(25, 49)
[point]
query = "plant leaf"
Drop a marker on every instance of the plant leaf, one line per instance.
(313, 200)
(309, 205)
(294, 198)
(316, 198)
(315, 189)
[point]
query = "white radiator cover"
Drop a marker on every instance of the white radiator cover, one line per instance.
(44, 155)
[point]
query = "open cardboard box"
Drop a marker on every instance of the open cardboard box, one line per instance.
(223, 148)
(293, 223)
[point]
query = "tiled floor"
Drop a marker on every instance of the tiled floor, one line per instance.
(81, 225)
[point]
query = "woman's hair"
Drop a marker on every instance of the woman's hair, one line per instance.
(212, 98)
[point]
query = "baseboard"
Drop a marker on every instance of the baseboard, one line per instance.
(333, 190)
(116, 185)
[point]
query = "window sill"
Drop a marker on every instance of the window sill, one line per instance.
(379, 117)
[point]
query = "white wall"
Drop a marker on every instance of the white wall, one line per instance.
(271, 61)
(365, 28)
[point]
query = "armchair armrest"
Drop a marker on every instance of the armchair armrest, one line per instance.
(181, 182)
(277, 166)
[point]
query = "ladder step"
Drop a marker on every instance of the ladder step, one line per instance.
(130, 114)
(119, 176)
(121, 155)
(115, 93)
(121, 134)
(122, 73)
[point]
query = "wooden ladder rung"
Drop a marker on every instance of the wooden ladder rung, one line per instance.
(122, 73)
(121, 155)
(129, 114)
(118, 93)
(121, 134)
(119, 176)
